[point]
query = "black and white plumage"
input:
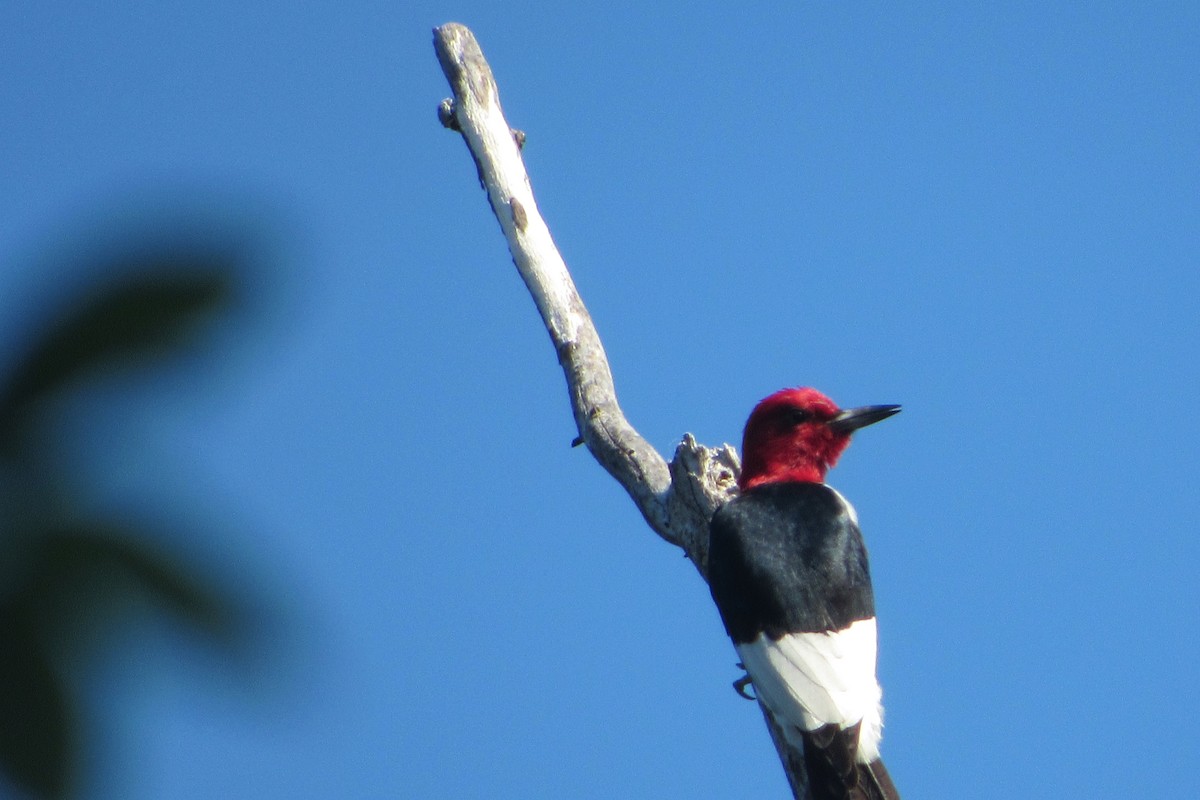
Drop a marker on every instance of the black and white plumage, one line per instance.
(789, 572)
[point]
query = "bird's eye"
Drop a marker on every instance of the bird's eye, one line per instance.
(797, 416)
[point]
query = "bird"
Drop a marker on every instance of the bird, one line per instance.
(788, 571)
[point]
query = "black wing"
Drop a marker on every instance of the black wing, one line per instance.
(788, 558)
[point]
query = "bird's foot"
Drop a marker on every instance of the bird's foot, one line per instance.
(741, 683)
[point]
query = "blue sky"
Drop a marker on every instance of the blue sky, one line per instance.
(988, 214)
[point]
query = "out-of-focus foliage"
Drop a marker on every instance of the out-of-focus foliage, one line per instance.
(146, 312)
(61, 570)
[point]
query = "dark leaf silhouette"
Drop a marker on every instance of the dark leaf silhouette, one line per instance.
(62, 572)
(103, 566)
(144, 314)
(37, 721)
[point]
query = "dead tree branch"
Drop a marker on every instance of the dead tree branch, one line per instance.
(677, 500)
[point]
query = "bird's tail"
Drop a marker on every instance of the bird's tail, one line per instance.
(874, 778)
(835, 774)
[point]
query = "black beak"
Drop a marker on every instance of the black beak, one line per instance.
(852, 419)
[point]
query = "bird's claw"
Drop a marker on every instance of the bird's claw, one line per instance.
(741, 683)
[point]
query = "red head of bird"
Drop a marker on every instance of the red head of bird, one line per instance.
(798, 435)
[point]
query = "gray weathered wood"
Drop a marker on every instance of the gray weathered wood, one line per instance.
(678, 499)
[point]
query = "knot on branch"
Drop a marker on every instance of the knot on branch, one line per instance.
(446, 115)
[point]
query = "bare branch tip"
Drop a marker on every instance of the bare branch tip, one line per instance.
(463, 63)
(452, 32)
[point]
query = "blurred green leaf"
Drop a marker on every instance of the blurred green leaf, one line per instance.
(70, 580)
(63, 576)
(39, 725)
(136, 316)
(108, 565)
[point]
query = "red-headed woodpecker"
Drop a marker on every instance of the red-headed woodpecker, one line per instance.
(788, 571)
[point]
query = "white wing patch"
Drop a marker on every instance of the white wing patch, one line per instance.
(809, 680)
